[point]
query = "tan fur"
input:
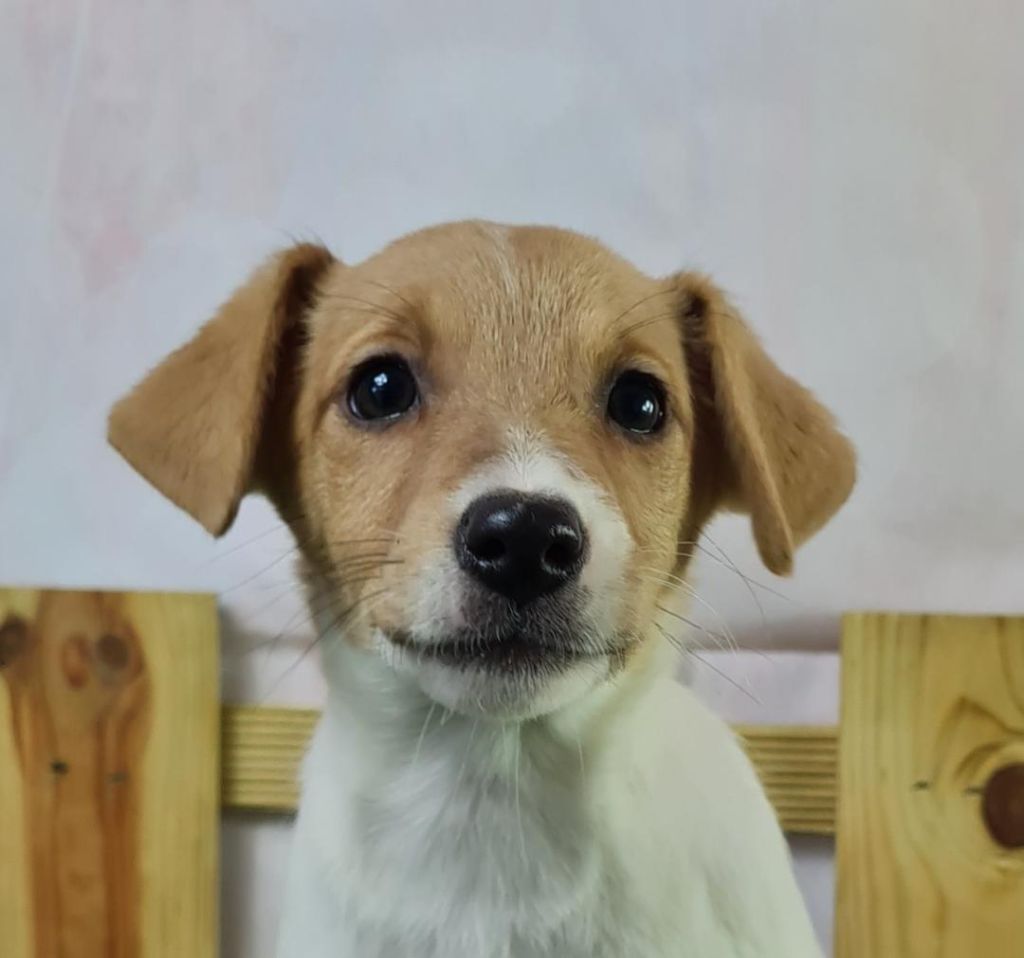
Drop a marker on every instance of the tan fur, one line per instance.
(780, 455)
(193, 426)
(505, 328)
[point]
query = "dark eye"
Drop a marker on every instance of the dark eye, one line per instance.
(382, 388)
(637, 403)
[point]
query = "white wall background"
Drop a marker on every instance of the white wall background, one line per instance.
(853, 172)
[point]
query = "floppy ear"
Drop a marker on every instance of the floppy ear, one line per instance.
(192, 427)
(765, 445)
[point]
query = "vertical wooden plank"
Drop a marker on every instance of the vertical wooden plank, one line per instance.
(932, 711)
(16, 926)
(109, 772)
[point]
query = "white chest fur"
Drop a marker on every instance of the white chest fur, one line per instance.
(439, 836)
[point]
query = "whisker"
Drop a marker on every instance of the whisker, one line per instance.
(647, 321)
(284, 524)
(726, 677)
(324, 633)
(732, 567)
(640, 302)
(714, 636)
(423, 732)
(291, 551)
(462, 770)
(369, 304)
(382, 537)
(300, 541)
(288, 589)
(519, 809)
(681, 647)
(311, 609)
(746, 581)
(252, 578)
(697, 597)
(364, 564)
(318, 604)
(281, 524)
(388, 289)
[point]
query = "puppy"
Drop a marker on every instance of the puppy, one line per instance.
(497, 448)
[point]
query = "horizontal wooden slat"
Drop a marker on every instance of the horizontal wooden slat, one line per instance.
(263, 747)
(797, 764)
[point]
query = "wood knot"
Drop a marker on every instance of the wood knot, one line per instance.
(1003, 806)
(113, 651)
(13, 639)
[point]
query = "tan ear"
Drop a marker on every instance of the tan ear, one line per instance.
(192, 427)
(766, 445)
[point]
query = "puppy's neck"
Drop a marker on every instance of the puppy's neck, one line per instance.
(386, 723)
(448, 808)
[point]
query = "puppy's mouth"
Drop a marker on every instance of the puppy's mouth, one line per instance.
(514, 651)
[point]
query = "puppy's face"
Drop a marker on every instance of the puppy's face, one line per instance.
(482, 409)
(496, 445)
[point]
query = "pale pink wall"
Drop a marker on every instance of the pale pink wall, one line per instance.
(850, 171)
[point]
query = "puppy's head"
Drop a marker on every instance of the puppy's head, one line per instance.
(496, 447)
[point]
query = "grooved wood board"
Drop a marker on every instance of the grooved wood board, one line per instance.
(109, 754)
(262, 749)
(932, 707)
(797, 766)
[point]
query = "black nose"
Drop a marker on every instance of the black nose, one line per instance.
(521, 546)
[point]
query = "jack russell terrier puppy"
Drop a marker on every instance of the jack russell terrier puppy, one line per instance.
(497, 448)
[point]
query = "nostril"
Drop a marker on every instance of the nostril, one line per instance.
(488, 549)
(563, 552)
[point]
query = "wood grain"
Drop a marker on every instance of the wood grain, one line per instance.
(108, 775)
(797, 766)
(933, 708)
(263, 747)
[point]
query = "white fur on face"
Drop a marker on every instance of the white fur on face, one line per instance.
(529, 465)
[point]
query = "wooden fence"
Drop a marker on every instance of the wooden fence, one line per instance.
(115, 754)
